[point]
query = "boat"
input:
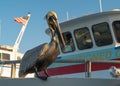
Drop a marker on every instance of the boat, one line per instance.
(91, 56)
(94, 38)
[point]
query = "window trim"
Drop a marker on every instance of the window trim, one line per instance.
(108, 27)
(73, 49)
(90, 38)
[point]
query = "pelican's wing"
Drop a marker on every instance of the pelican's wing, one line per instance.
(31, 56)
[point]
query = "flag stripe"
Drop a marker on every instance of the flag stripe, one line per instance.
(22, 20)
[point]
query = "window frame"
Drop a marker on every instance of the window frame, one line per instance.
(116, 32)
(89, 44)
(63, 50)
(100, 33)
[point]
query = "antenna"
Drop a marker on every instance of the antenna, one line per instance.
(100, 1)
(67, 15)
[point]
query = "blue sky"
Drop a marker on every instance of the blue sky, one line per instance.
(35, 31)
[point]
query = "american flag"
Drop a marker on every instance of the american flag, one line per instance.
(22, 19)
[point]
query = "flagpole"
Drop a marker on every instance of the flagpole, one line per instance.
(18, 40)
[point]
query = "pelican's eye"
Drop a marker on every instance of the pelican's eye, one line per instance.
(52, 18)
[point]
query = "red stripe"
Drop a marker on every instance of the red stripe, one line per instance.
(20, 20)
(78, 68)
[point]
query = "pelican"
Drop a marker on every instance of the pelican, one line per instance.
(40, 57)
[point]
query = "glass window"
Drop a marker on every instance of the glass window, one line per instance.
(5, 57)
(83, 38)
(102, 34)
(69, 42)
(116, 28)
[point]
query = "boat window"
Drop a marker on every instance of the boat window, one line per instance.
(102, 34)
(4, 57)
(69, 42)
(83, 38)
(116, 28)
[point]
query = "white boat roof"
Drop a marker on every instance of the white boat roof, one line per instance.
(6, 47)
(89, 17)
(86, 18)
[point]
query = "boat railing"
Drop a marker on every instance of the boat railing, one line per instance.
(13, 66)
(87, 62)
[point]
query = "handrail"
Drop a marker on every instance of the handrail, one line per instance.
(10, 62)
(84, 61)
(87, 62)
(68, 61)
(13, 66)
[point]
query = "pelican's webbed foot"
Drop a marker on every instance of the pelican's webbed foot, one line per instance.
(41, 77)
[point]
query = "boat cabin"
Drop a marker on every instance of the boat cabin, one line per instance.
(7, 54)
(91, 37)
(93, 32)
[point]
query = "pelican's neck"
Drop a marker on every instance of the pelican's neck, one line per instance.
(54, 40)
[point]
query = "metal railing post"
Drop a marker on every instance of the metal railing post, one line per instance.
(13, 70)
(88, 69)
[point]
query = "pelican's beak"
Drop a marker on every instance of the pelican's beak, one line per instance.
(60, 36)
(53, 23)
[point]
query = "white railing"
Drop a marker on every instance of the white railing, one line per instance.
(13, 66)
(87, 62)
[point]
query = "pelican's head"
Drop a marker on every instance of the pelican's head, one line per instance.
(51, 18)
(54, 26)
(51, 14)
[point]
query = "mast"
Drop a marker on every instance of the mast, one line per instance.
(18, 40)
